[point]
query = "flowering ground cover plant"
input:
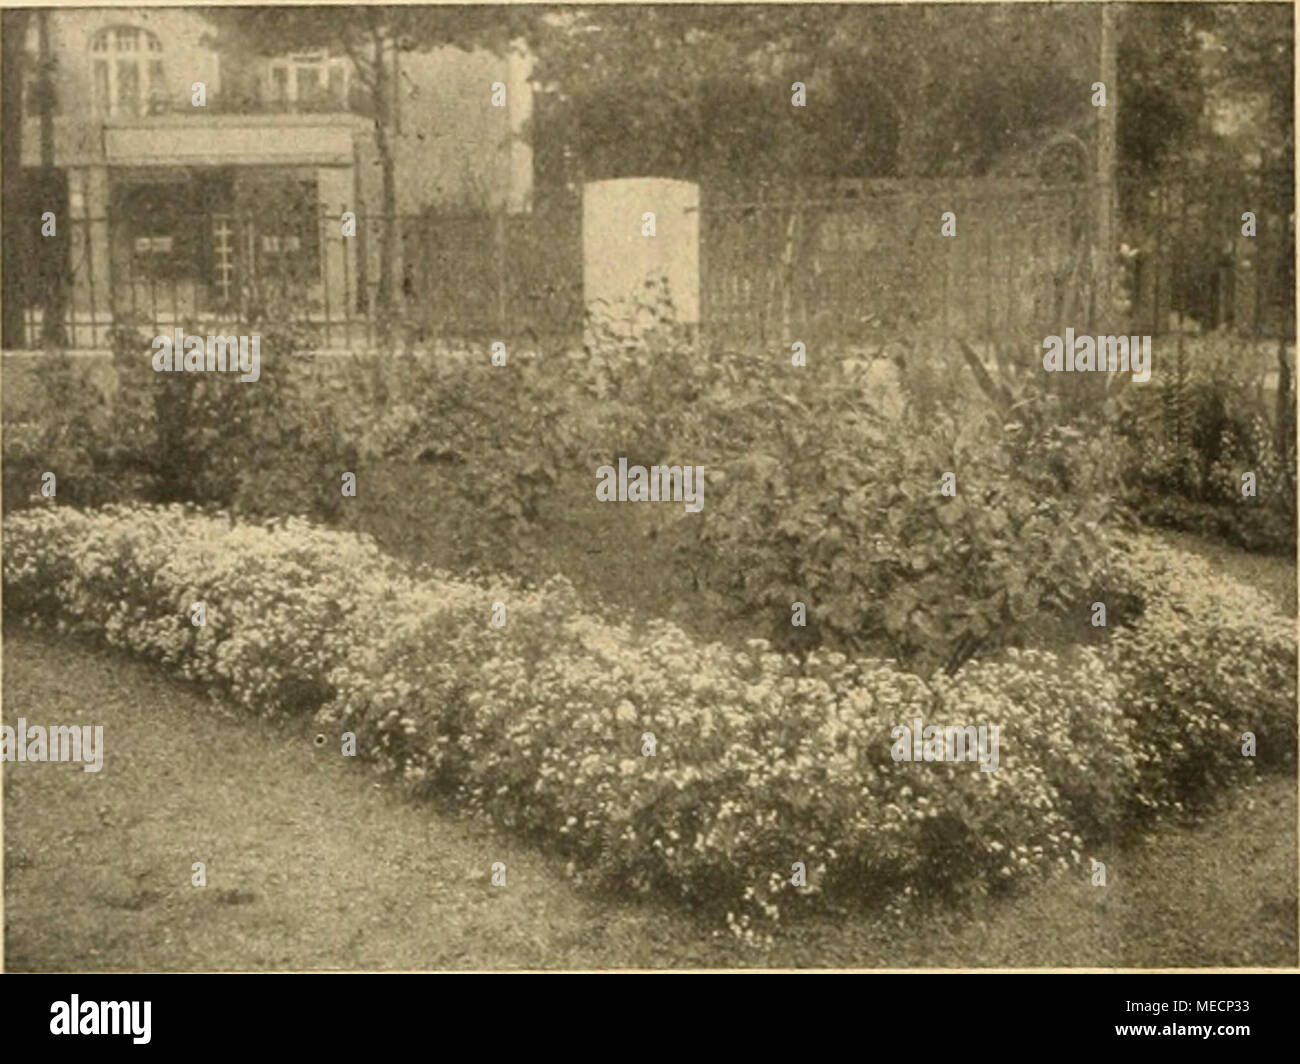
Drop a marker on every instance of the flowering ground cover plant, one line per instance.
(658, 764)
(1208, 659)
(276, 598)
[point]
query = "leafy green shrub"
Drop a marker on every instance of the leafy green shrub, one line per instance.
(657, 393)
(493, 437)
(1188, 436)
(273, 447)
(67, 433)
(654, 389)
(824, 489)
(840, 508)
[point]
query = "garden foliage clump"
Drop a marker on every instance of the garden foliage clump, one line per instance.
(1188, 437)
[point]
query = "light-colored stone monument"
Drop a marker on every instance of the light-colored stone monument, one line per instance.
(636, 230)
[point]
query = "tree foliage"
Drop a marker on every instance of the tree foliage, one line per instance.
(705, 94)
(370, 37)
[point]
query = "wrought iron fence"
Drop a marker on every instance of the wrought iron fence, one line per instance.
(452, 277)
(836, 271)
(1021, 262)
(848, 269)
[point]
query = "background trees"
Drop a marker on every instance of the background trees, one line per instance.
(705, 94)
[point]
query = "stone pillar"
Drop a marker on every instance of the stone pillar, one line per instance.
(619, 254)
(519, 102)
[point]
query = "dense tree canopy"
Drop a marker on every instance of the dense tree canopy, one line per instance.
(917, 90)
(706, 93)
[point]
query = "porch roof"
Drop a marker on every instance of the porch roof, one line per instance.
(232, 140)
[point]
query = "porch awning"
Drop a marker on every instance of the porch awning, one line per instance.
(195, 144)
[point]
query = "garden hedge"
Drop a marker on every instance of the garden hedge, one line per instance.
(759, 760)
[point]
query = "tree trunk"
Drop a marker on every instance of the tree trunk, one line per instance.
(1284, 413)
(1104, 204)
(13, 32)
(388, 207)
(52, 259)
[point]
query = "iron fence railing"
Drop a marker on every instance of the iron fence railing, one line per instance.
(840, 271)
(1020, 264)
(451, 277)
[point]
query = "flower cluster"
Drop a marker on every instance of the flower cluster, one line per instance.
(276, 599)
(1206, 661)
(658, 764)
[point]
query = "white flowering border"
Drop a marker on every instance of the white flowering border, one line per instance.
(660, 764)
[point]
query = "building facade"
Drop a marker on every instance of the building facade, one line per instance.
(188, 178)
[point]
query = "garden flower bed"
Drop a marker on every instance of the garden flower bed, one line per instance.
(659, 764)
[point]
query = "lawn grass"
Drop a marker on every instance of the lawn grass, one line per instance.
(312, 863)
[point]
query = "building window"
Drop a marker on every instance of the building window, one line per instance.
(311, 81)
(154, 223)
(287, 247)
(223, 258)
(128, 72)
